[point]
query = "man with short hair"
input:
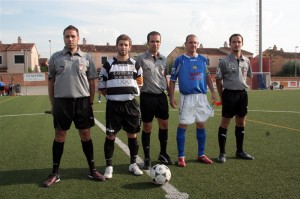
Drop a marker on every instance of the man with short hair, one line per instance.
(153, 99)
(231, 81)
(119, 80)
(193, 79)
(71, 88)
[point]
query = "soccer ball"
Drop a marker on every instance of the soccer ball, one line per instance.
(160, 174)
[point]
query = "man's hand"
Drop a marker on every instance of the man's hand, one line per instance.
(173, 102)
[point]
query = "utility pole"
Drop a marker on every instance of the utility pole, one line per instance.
(295, 60)
(260, 37)
(50, 47)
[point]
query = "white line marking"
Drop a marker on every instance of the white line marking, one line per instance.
(270, 111)
(17, 115)
(8, 99)
(263, 111)
(171, 191)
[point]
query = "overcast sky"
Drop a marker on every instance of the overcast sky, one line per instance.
(102, 21)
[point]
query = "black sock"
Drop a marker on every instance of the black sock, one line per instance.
(239, 135)
(133, 148)
(57, 151)
(222, 139)
(88, 150)
(109, 147)
(146, 144)
(163, 139)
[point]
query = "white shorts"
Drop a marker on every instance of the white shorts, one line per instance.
(194, 108)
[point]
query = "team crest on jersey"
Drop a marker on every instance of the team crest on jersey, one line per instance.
(124, 82)
(195, 67)
(82, 65)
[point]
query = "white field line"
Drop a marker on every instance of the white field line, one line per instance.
(271, 111)
(263, 111)
(171, 191)
(8, 99)
(18, 115)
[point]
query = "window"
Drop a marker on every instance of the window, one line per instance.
(103, 60)
(19, 59)
(0, 59)
(207, 61)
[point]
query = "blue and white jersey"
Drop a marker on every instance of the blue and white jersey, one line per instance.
(191, 73)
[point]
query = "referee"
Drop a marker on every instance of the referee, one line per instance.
(231, 84)
(71, 89)
(153, 99)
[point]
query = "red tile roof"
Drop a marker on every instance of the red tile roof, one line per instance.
(43, 61)
(109, 49)
(210, 51)
(287, 55)
(228, 50)
(223, 51)
(87, 47)
(20, 46)
(4, 47)
(139, 48)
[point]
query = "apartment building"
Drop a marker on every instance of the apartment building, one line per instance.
(23, 57)
(19, 57)
(278, 58)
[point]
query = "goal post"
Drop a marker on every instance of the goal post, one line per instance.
(260, 80)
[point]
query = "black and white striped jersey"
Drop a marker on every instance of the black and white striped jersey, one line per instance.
(121, 79)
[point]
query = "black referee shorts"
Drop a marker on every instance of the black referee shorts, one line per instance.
(124, 115)
(234, 102)
(79, 110)
(154, 105)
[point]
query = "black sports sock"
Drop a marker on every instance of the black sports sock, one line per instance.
(88, 150)
(222, 139)
(163, 139)
(239, 135)
(133, 148)
(109, 147)
(146, 144)
(57, 151)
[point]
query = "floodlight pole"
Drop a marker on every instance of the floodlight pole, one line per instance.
(260, 36)
(50, 47)
(295, 60)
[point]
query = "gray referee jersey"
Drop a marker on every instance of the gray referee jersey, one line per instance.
(154, 72)
(234, 74)
(71, 73)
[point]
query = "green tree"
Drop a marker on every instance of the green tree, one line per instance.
(288, 69)
(272, 54)
(44, 68)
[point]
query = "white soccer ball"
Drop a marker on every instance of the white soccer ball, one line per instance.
(160, 174)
